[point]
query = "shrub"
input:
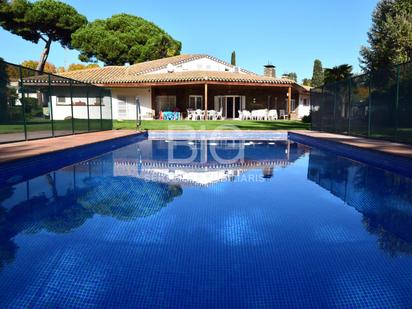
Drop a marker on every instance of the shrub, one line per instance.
(307, 119)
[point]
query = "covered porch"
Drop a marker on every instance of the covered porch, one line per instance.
(229, 99)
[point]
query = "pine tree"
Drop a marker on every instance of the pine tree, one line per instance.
(318, 75)
(390, 37)
(233, 58)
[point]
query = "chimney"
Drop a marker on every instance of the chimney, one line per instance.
(269, 70)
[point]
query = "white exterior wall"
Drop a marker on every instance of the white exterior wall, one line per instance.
(303, 110)
(202, 64)
(63, 111)
(60, 111)
(145, 97)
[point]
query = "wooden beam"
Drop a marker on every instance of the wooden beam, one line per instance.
(200, 83)
(205, 100)
(289, 102)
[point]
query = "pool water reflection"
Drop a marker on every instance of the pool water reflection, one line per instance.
(283, 226)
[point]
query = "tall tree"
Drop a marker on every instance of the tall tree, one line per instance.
(233, 58)
(390, 37)
(306, 82)
(292, 76)
(338, 73)
(318, 76)
(45, 20)
(123, 39)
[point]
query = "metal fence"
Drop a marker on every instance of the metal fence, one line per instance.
(376, 105)
(35, 105)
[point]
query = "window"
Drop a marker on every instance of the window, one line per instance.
(61, 100)
(96, 101)
(305, 102)
(195, 102)
(292, 104)
(166, 103)
(122, 107)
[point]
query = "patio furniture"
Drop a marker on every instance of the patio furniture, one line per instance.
(259, 114)
(211, 115)
(219, 114)
(170, 116)
(240, 115)
(282, 114)
(246, 115)
(191, 114)
(273, 114)
(199, 115)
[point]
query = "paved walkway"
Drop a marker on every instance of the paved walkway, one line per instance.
(398, 149)
(20, 150)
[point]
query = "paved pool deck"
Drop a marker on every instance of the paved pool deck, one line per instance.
(21, 150)
(397, 149)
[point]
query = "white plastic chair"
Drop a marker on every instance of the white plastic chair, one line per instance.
(254, 114)
(282, 114)
(273, 114)
(240, 115)
(211, 115)
(246, 115)
(219, 114)
(199, 114)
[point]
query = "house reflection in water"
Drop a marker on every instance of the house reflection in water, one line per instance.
(210, 161)
(383, 198)
(64, 200)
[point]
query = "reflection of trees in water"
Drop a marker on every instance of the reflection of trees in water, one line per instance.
(388, 241)
(383, 198)
(123, 198)
(126, 198)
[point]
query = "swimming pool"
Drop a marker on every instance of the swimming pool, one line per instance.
(188, 223)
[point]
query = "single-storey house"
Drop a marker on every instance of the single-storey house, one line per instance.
(185, 82)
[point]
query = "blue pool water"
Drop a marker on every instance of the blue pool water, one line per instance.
(243, 224)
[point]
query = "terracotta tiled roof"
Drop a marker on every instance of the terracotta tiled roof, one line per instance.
(193, 76)
(115, 72)
(150, 66)
(118, 75)
(142, 73)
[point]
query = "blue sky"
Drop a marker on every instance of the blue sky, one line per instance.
(289, 34)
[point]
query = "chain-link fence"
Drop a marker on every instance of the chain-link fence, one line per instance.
(34, 105)
(376, 105)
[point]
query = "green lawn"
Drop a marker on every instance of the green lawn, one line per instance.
(45, 125)
(213, 125)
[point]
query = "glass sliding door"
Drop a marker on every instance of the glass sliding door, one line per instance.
(232, 106)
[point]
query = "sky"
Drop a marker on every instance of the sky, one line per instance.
(288, 34)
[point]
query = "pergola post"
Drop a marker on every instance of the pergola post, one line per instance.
(205, 101)
(289, 101)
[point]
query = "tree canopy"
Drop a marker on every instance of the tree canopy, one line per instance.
(123, 39)
(45, 20)
(291, 75)
(81, 66)
(33, 64)
(318, 76)
(390, 37)
(307, 82)
(338, 73)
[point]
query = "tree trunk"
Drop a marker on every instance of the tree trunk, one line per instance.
(44, 55)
